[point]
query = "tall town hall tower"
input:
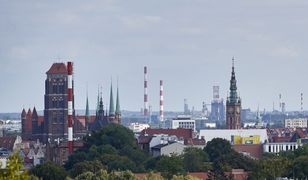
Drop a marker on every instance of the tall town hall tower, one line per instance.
(233, 110)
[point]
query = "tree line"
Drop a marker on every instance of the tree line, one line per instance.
(112, 152)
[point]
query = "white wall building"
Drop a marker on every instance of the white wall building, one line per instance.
(136, 127)
(278, 147)
(168, 149)
(3, 161)
(296, 123)
(209, 134)
(183, 122)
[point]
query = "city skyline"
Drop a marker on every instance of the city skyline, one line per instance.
(189, 50)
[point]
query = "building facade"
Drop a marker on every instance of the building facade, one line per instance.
(233, 109)
(296, 123)
(185, 122)
(282, 146)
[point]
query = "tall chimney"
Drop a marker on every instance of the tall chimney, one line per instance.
(145, 93)
(70, 106)
(161, 102)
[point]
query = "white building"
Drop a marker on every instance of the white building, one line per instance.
(296, 123)
(136, 127)
(281, 146)
(209, 134)
(3, 161)
(210, 125)
(185, 122)
(168, 149)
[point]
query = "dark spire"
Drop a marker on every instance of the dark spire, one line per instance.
(23, 113)
(34, 112)
(233, 98)
(111, 105)
(100, 112)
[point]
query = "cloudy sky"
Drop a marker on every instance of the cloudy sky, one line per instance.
(187, 43)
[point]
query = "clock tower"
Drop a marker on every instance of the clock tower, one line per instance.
(233, 110)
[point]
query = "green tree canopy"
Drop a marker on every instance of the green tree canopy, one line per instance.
(195, 160)
(300, 167)
(13, 169)
(114, 146)
(169, 166)
(49, 171)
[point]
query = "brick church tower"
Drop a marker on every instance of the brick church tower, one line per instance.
(233, 110)
(56, 110)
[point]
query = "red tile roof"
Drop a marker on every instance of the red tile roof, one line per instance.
(144, 139)
(180, 133)
(194, 141)
(92, 118)
(40, 120)
(254, 150)
(301, 133)
(281, 139)
(57, 68)
(7, 142)
(199, 175)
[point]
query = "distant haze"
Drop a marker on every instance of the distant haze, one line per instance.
(187, 43)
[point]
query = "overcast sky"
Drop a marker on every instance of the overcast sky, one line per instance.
(187, 43)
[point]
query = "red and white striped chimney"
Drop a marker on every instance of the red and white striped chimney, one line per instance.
(161, 102)
(70, 106)
(145, 92)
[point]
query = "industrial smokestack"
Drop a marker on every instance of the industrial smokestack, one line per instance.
(70, 106)
(145, 92)
(302, 99)
(161, 102)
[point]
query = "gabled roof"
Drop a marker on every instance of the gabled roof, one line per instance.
(194, 141)
(7, 142)
(159, 146)
(57, 68)
(180, 132)
(253, 150)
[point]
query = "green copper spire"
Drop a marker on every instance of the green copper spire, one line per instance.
(87, 111)
(87, 108)
(233, 98)
(118, 111)
(111, 106)
(97, 103)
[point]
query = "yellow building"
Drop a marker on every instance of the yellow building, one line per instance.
(245, 140)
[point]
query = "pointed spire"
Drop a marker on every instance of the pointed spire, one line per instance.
(87, 107)
(23, 113)
(29, 112)
(233, 98)
(34, 112)
(111, 105)
(97, 103)
(118, 110)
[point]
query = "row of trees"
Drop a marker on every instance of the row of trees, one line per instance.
(114, 148)
(112, 152)
(292, 164)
